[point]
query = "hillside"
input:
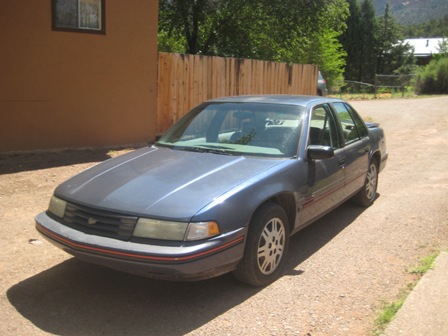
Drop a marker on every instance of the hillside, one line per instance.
(411, 12)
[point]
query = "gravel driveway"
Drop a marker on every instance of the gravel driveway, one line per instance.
(339, 271)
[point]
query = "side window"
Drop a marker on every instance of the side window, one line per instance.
(360, 126)
(323, 129)
(352, 126)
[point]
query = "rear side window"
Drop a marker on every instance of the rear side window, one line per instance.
(353, 128)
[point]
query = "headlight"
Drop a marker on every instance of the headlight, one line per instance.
(57, 206)
(166, 230)
(157, 229)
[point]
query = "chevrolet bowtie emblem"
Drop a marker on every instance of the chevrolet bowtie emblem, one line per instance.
(91, 221)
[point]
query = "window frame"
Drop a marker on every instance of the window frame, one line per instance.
(336, 141)
(58, 26)
(358, 124)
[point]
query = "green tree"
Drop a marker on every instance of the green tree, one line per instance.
(443, 49)
(351, 41)
(387, 37)
(296, 31)
(369, 42)
(316, 41)
(360, 41)
(373, 44)
(196, 22)
(393, 57)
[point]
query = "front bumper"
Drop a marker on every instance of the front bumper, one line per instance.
(198, 261)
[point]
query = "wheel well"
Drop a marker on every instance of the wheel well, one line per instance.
(287, 202)
(377, 157)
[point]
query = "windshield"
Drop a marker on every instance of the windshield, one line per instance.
(258, 129)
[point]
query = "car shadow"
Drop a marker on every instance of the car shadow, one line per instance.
(28, 161)
(306, 242)
(77, 298)
(74, 298)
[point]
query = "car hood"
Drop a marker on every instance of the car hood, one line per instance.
(160, 182)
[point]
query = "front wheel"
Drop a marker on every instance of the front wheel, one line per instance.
(367, 194)
(266, 246)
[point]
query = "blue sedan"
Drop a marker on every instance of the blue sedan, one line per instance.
(221, 191)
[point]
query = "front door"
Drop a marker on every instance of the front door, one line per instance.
(326, 178)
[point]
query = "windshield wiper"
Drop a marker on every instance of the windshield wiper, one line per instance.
(217, 149)
(214, 149)
(189, 149)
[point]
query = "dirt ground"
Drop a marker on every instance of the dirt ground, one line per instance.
(339, 272)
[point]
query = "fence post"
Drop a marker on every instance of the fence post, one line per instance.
(375, 87)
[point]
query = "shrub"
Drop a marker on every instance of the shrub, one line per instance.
(434, 77)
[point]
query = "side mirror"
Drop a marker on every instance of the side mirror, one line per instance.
(317, 152)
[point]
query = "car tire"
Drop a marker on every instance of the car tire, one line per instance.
(266, 246)
(367, 195)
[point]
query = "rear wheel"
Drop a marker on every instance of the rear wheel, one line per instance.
(366, 196)
(266, 247)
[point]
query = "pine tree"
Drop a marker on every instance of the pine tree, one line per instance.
(388, 36)
(351, 42)
(368, 37)
(393, 56)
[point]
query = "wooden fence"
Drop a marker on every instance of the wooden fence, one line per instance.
(184, 81)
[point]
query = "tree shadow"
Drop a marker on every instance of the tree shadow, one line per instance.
(74, 298)
(28, 161)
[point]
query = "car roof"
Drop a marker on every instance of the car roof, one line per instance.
(276, 99)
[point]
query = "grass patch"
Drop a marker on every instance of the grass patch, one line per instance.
(425, 265)
(388, 313)
(389, 310)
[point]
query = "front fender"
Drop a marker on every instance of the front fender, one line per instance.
(235, 208)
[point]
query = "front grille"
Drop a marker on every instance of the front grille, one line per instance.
(98, 222)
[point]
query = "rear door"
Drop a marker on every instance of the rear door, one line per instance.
(357, 146)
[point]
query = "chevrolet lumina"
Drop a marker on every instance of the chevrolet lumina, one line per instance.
(221, 191)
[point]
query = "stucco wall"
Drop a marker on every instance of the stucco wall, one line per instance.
(65, 89)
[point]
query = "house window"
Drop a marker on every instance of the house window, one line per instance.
(85, 16)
